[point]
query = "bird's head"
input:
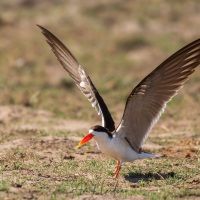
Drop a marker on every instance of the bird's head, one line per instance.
(98, 132)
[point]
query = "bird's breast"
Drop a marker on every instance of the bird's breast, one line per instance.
(118, 149)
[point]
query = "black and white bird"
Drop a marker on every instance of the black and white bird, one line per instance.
(144, 105)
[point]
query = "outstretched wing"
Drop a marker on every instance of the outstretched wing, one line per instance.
(148, 99)
(80, 77)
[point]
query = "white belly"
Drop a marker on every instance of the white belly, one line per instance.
(118, 149)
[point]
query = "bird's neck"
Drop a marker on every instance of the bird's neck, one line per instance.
(102, 139)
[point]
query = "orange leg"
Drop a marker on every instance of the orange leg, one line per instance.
(116, 172)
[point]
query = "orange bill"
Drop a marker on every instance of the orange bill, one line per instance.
(85, 139)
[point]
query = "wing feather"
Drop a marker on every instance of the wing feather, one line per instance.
(80, 77)
(148, 99)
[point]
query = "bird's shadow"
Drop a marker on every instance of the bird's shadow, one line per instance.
(137, 177)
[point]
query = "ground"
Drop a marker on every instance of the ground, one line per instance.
(43, 115)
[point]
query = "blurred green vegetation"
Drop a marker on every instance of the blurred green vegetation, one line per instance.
(118, 44)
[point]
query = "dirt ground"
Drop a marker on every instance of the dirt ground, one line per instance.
(35, 137)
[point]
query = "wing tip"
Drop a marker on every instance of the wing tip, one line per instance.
(45, 32)
(41, 27)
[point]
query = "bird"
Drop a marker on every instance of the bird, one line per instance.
(144, 105)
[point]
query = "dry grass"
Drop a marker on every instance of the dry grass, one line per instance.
(43, 115)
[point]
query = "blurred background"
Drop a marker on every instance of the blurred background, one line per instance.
(117, 42)
(43, 115)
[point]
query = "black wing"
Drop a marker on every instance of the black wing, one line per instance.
(80, 77)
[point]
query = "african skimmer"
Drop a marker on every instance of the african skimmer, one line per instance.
(144, 105)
